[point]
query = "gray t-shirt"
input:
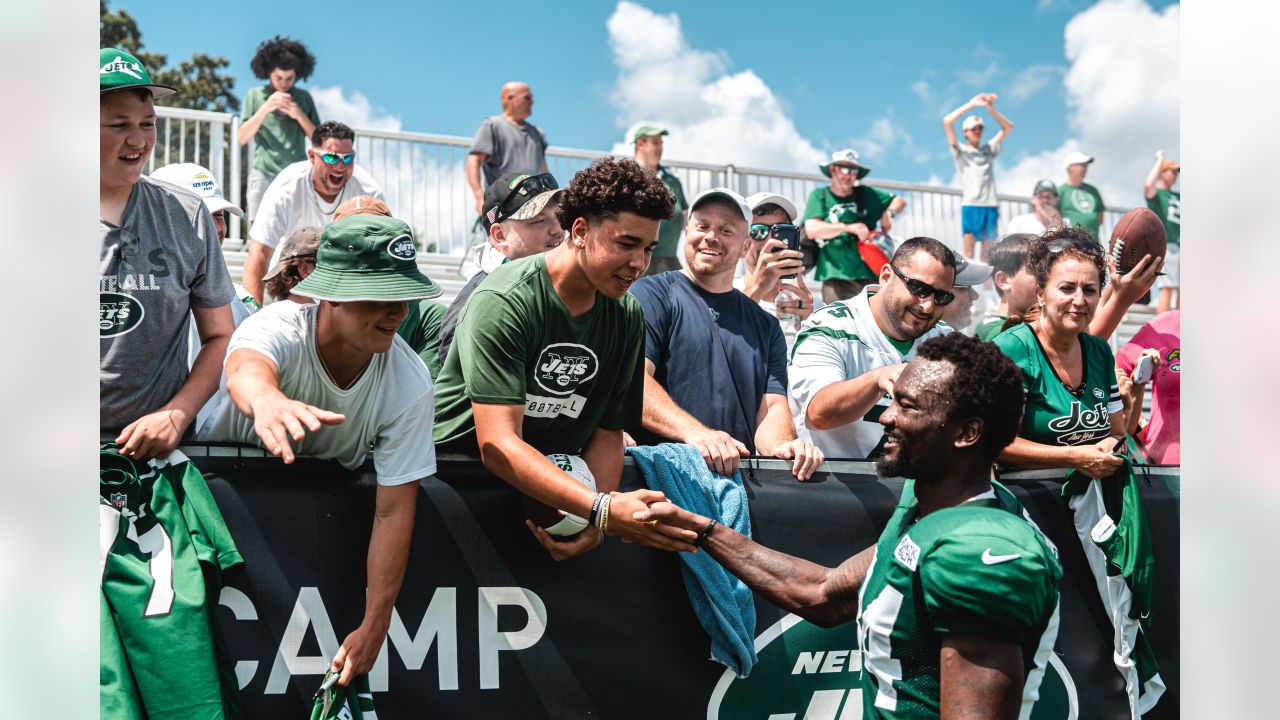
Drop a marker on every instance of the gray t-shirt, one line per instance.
(976, 166)
(163, 261)
(509, 147)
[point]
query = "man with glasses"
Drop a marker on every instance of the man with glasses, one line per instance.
(849, 353)
(306, 193)
(768, 259)
(840, 216)
(647, 139)
(715, 363)
(519, 215)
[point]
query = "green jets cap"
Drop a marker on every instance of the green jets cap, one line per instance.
(367, 258)
(646, 130)
(118, 70)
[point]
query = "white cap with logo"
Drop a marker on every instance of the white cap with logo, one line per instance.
(200, 181)
(1079, 158)
(725, 193)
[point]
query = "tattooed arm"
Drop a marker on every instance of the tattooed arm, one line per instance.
(982, 678)
(824, 596)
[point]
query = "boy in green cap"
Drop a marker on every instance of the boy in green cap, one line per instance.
(160, 266)
(333, 379)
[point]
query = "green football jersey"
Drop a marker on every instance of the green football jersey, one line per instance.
(979, 568)
(517, 345)
(1168, 205)
(839, 258)
(989, 326)
(1055, 415)
(353, 702)
(421, 329)
(1081, 206)
(159, 532)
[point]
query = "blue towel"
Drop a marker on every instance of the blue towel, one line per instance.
(721, 601)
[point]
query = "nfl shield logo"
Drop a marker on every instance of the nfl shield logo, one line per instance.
(118, 500)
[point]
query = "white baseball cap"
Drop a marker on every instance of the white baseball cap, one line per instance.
(1079, 158)
(973, 121)
(200, 181)
(971, 272)
(764, 198)
(727, 193)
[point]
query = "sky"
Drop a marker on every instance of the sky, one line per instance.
(751, 83)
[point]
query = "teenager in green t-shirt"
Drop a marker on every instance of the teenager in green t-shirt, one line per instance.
(548, 358)
(840, 216)
(278, 116)
(958, 573)
(1166, 202)
(1014, 280)
(1078, 201)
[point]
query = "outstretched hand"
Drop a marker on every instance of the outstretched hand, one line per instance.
(277, 420)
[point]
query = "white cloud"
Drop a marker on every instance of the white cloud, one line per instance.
(1031, 79)
(1122, 99)
(887, 137)
(356, 111)
(978, 77)
(714, 115)
(923, 91)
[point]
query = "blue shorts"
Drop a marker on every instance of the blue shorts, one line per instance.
(979, 221)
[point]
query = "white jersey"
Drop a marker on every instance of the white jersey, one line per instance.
(390, 407)
(840, 342)
(291, 202)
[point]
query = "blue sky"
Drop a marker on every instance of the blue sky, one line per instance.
(876, 77)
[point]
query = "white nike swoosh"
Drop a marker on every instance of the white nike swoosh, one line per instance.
(989, 559)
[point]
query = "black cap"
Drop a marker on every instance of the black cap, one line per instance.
(523, 206)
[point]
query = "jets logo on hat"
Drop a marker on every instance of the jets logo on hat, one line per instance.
(123, 66)
(401, 248)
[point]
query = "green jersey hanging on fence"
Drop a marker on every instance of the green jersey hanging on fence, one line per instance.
(161, 537)
(978, 568)
(1055, 414)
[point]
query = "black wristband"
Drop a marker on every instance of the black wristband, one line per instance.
(702, 537)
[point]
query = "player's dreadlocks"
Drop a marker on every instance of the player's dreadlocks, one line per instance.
(285, 54)
(985, 384)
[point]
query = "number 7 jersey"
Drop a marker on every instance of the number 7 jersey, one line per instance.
(162, 547)
(978, 568)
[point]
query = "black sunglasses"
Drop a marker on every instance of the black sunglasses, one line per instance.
(924, 290)
(526, 188)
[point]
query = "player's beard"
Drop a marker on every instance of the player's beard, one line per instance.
(902, 463)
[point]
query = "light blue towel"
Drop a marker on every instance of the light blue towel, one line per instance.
(721, 601)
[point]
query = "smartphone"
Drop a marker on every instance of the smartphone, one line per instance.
(790, 234)
(1142, 372)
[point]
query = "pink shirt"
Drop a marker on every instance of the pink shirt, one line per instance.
(1162, 433)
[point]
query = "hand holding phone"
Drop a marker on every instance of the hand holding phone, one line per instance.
(1143, 371)
(790, 234)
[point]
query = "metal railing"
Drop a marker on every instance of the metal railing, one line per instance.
(424, 178)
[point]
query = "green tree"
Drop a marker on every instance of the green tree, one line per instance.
(201, 81)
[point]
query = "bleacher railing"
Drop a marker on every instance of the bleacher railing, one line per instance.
(424, 178)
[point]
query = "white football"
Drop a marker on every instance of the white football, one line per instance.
(569, 525)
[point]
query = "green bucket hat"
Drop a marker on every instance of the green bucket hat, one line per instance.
(118, 70)
(844, 157)
(367, 258)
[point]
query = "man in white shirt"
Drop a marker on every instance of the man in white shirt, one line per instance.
(1044, 212)
(332, 380)
(848, 354)
(305, 193)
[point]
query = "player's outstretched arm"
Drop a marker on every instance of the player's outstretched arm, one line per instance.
(394, 512)
(981, 678)
(253, 382)
(824, 596)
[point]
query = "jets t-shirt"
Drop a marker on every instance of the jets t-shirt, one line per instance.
(1168, 205)
(421, 330)
(979, 568)
(838, 259)
(1081, 206)
(517, 344)
(1055, 415)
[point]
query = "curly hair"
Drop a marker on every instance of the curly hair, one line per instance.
(1059, 243)
(280, 285)
(281, 52)
(611, 186)
(985, 384)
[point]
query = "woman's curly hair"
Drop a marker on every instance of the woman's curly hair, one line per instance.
(611, 186)
(985, 384)
(1080, 245)
(281, 52)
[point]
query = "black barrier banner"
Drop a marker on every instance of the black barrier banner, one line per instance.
(487, 625)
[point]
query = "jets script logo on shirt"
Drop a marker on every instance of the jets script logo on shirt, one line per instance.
(562, 367)
(1082, 425)
(118, 314)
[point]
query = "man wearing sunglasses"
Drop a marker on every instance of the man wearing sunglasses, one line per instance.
(304, 194)
(849, 354)
(840, 216)
(519, 214)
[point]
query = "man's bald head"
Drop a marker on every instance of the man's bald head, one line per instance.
(517, 100)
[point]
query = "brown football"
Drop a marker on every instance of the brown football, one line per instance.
(1140, 232)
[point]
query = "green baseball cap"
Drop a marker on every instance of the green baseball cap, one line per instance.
(367, 258)
(118, 70)
(646, 130)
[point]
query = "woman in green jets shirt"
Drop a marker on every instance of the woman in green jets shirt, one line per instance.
(1074, 414)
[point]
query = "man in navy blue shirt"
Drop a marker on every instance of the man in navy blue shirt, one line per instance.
(715, 363)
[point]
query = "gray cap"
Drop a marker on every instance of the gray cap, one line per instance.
(971, 272)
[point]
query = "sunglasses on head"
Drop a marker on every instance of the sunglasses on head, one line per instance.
(333, 158)
(924, 290)
(528, 187)
(1064, 244)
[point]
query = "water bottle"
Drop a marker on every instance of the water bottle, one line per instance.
(790, 323)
